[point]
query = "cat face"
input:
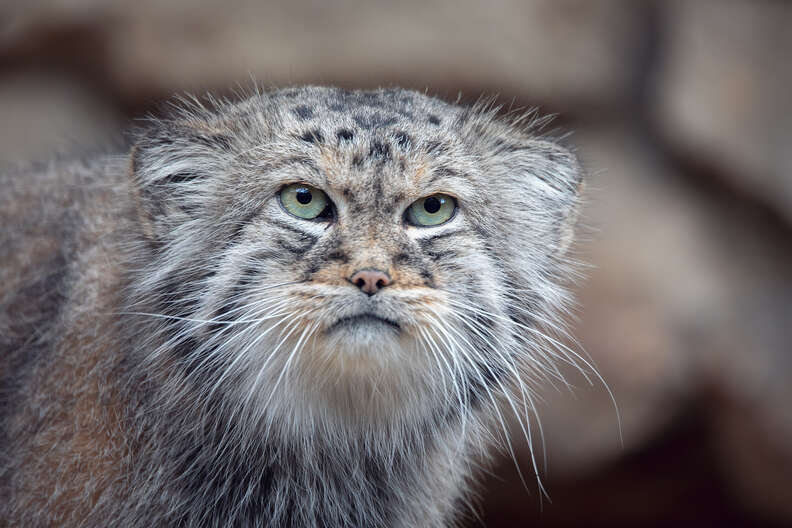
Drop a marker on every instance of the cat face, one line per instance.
(352, 252)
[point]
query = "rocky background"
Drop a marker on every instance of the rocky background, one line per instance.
(682, 113)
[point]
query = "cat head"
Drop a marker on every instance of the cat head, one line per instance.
(348, 252)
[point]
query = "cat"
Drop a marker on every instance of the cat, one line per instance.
(307, 307)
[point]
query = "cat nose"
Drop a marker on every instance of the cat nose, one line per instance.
(369, 280)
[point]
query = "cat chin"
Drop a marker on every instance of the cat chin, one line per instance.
(365, 334)
(363, 372)
(358, 369)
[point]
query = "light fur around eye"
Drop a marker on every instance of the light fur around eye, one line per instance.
(433, 210)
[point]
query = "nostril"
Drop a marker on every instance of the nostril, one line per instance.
(370, 281)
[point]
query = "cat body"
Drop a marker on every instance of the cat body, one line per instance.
(187, 340)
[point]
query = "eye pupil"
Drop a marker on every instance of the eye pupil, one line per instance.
(303, 196)
(432, 205)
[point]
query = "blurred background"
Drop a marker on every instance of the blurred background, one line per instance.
(682, 114)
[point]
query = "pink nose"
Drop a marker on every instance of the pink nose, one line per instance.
(370, 281)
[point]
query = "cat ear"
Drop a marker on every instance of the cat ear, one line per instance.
(556, 182)
(571, 173)
(169, 164)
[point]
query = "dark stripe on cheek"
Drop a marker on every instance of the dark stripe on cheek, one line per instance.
(338, 256)
(441, 255)
(297, 251)
(427, 276)
(427, 247)
(248, 278)
(239, 227)
(291, 228)
(427, 241)
(312, 268)
(179, 296)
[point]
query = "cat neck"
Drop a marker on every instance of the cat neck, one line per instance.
(325, 476)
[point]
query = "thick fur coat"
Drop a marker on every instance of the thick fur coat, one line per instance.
(178, 349)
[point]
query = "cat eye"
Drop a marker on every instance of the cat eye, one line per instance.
(306, 202)
(431, 210)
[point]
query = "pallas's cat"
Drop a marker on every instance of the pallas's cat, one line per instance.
(310, 307)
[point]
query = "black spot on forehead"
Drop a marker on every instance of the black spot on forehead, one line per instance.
(379, 150)
(303, 112)
(435, 147)
(402, 139)
(312, 136)
(375, 120)
(434, 119)
(390, 102)
(344, 134)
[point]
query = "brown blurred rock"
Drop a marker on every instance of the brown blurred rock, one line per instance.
(686, 313)
(639, 250)
(725, 92)
(44, 115)
(687, 310)
(567, 53)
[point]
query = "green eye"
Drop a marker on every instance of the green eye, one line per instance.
(432, 210)
(305, 201)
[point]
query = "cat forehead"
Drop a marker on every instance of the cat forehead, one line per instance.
(393, 141)
(333, 116)
(365, 110)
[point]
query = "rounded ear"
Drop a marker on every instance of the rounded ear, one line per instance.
(569, 180)
(170, 163)
(556, 182)
(145, 219)
(567, 231)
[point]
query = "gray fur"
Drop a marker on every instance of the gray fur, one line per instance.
(165, 357)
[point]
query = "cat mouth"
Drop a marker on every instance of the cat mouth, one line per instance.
(363, 320)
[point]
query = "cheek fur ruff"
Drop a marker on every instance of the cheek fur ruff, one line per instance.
(184, 352)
